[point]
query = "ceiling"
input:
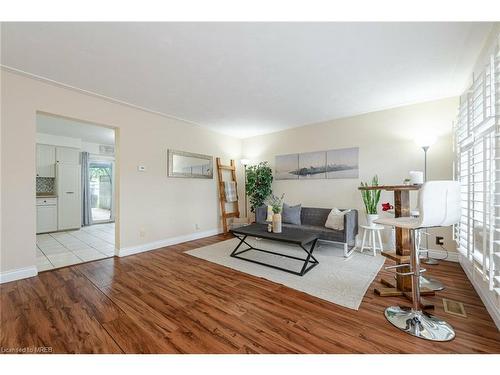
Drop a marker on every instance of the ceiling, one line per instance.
(245, 79)
(64, 127)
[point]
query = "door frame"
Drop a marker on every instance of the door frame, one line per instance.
(117, 164)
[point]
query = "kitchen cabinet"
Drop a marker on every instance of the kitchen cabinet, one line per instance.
(45, 161)
(46, 215)
(67, 155)
(69, 205)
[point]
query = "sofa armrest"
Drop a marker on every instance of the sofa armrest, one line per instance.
(351, 227)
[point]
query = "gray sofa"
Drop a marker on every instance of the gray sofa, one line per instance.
(313, 221)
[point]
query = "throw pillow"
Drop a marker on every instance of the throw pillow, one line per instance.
(263, 214)
(291, 214)
(335, 219)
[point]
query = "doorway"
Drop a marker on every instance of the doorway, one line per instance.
(75, 191)
(101, 182)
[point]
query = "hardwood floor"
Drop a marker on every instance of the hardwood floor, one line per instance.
(165, 301)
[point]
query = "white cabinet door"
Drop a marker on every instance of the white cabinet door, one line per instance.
(45, 161)
(68, 155)
(46, 218)
(69, 202)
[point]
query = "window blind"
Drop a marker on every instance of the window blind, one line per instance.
(477, 167)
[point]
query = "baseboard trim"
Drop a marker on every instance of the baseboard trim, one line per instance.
(487, 297)
(18, 274)
(126, 251)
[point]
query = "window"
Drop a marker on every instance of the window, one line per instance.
(477, 167)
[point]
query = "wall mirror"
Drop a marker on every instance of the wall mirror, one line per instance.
(189, 165)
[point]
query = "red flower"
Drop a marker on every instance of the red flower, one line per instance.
(387, 206)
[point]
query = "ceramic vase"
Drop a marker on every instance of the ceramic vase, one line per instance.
(370, 218)
(277, 223)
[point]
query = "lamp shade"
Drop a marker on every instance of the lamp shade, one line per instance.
(425, 140)
(244, 162)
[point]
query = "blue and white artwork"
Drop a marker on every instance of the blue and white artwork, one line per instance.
(285, 164)
(312, 165)
(332, 164)
(342, 163)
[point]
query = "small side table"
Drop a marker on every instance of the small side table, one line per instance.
(373, 236)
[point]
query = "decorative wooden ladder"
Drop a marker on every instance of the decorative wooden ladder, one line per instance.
(222, 194)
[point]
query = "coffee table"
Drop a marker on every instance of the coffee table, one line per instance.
(288, 235)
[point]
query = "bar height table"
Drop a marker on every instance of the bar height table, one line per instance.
(401, 286)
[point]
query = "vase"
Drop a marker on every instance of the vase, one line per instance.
(277, 223)
(370, 218)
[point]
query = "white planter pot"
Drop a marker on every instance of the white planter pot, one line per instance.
(370, 218)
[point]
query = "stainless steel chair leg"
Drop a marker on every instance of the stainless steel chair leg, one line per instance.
(412, 320)
(430, 261)
(431, 284)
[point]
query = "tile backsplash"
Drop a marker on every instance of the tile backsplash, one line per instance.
(45, 185)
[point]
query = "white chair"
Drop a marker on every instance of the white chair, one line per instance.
(373, 232)
(439, 206)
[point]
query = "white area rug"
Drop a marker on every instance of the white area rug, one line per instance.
(340, 280)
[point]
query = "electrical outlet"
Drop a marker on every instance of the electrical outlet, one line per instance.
(439, 240)
(142, 233)
(196, 226)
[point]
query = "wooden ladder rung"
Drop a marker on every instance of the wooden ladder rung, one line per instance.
(231, 214)
(227, 167)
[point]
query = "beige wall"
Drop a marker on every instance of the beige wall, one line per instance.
(386, 148)
(160, 206)
(166, 208)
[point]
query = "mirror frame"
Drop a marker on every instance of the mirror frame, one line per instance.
(170, 170)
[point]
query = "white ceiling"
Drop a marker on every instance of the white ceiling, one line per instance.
(245, 79)
(75, 129)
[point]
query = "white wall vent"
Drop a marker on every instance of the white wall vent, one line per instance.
(106, 150)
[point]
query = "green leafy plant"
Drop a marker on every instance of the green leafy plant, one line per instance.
(258, 184)
(371, 197)
(276, 203)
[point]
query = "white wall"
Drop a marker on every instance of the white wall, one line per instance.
(58, 140)
(93, 148)
(161, 207)
(386, 148)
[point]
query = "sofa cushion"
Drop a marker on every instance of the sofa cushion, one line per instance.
(314, 216)
(291, 214)
(335, 219)
(322, 232)
(261, 214)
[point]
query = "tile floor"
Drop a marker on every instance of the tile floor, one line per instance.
(60, 249)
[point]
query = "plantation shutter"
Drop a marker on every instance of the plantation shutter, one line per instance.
(477, 167)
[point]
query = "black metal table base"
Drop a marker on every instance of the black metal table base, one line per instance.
(309, 261)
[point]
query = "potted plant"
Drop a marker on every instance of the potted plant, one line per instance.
(258, 184)
(371, 199)
(277, 206)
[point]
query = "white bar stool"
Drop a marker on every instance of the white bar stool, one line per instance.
(373, 232)
(439, 206)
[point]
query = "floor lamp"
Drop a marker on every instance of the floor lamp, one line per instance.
(425, 142)
(244, 163)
